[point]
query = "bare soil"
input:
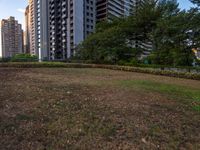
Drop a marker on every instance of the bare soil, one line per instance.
(57, 109)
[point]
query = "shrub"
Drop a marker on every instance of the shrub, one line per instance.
(5, 59)
(187, 75)
(24, 58)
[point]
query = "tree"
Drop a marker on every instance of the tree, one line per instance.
(197, 2)
(144, 20)
(175, 35)
(105, 46)
(172, 34)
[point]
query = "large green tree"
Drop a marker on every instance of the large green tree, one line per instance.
(196, 2)
(107, 45)
(171, 32)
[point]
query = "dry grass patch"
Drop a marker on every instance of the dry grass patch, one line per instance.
(51, 108)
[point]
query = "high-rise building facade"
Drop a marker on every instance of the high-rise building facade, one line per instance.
(31, 27)
(128, 7)
(27, 31)
(11, 37)
(57, 27)
(58, 14)
(109, 9)
(37, 25)
(71, 21)
(42, 28)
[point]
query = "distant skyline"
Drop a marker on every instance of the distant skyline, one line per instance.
(16, 8)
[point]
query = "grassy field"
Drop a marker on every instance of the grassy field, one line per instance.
(57, 109)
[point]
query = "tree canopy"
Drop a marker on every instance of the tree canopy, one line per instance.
(197, 2)
(158, 26)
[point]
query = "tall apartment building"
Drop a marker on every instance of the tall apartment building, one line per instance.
(58, 14)
(56, 27)
(109, 9)
(128, 6)
(11, 37)
(31, 26)
(70, 23)
(37, 26)
(42, 28)
(27, 31)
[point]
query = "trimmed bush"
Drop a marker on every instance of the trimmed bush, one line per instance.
(186, 75)
(24, 58)
(4, 60)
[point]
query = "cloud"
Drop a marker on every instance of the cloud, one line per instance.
(21, 10)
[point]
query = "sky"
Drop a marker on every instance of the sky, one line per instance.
(16, 8)
(13, 8)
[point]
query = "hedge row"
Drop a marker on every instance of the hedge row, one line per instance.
(187, 75)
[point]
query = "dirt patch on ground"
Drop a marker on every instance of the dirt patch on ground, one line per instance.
(86, 109)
